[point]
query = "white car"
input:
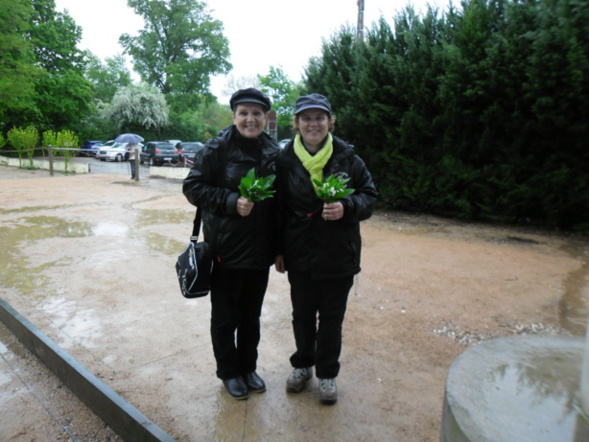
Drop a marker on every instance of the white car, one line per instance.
(114, 152)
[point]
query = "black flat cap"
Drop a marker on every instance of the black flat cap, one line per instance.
(250, 95)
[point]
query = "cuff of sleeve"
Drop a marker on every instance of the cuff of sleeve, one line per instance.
(231, 204)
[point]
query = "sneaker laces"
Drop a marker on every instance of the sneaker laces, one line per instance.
(327, 384)
(299, 373)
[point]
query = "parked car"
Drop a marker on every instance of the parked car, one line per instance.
(156, 153)
(188, 149)
(114, 153)
(89, 148)
(282, 143)
(109, 143)
(173, 142)
(102, 151)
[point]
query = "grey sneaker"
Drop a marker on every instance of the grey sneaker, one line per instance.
(327, 391)
(298, 377)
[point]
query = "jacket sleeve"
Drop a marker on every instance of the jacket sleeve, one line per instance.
(360, 205)
(203, 186)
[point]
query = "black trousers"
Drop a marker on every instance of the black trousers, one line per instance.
(321, 344)
(236, 306)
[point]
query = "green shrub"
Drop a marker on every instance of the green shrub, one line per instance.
(24, 141)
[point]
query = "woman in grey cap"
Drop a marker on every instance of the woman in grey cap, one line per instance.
(241, 234)
(321, 241)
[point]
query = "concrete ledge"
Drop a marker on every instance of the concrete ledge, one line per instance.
(176, 173)
(58, 165)
(124, 419)
(522, 388)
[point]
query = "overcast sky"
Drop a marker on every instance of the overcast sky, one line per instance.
(261, 33)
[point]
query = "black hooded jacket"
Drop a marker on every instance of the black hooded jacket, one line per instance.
(327, 249)
(212, 184)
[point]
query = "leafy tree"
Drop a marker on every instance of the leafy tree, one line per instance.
(17, 64)
(24, 141)
(65, 143)
(94, 126)
(284, 93)
(480, 113)
(62, 92)
(233, 84)
(138, 109)
(107, 77)
(199, 123)
(179, 49)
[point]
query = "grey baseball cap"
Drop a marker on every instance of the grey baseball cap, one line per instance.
(312, 101)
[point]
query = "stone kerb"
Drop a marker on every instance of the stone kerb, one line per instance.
(58, 166)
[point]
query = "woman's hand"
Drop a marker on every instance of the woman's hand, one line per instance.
(333, 211)
(244, 207)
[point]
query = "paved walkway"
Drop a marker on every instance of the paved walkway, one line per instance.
(89, 261)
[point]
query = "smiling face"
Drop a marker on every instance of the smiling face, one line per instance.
(313, 127)
(250, 119)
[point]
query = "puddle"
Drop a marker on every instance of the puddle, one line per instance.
(573, 306)
(110, 228)
(150, 216)
(543, 383)
(82, 326)
(32, 229)
(161, 243)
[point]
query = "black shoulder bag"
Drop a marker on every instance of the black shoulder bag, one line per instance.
(194, 265)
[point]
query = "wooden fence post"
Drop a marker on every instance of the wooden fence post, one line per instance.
(50, 153)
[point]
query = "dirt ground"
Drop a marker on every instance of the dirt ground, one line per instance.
(430, 289)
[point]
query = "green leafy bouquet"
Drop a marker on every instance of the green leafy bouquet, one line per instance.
(332, 189)
(256, 189)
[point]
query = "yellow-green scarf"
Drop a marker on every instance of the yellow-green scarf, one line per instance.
(314, 163)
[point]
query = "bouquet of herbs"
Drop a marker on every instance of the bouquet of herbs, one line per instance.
(332, 189)
(256, 189)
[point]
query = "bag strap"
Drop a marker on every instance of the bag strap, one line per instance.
(221, 145)
(196, 225)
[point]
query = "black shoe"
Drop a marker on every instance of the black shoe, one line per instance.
(254, 382)
(236, 388)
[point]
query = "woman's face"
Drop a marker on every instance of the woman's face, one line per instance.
(250, 119)
(313, 126)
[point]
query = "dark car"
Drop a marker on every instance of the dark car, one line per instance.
(90, 148)
(188, 149)
(156, 153)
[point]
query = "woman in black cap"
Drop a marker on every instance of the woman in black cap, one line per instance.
(241, 234)
(322, 243)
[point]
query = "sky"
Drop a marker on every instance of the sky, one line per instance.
(261, 33)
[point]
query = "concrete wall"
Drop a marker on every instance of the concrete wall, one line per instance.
(177, 173)
(58, 165)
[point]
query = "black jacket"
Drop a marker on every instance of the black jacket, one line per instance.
(327, 249)
(212, 184)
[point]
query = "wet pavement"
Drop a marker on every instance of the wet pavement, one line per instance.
(90, 261)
